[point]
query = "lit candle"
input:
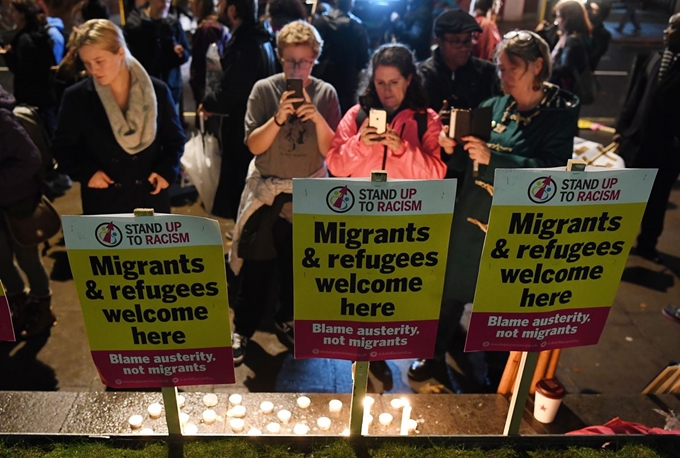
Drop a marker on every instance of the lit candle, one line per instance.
(210, 400)
(274, 428)
(397, 403)
(412, 425)
(235, 399)
(237, 425)
(324, 423)
(146, 432)
(209, 416)
(284, 416)
(300, 429)
(334, 405)
(155, 410)
(184, 418)
(405, 417)
(190, 429)
(303, 402)
(180, 401)
(385, 419)
(368, 402)
(267, 407)
(237, 411)
(254, 432)
(136, 421)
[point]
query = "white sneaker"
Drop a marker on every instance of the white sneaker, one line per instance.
(238, 348)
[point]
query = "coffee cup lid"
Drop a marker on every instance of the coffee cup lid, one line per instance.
(550, 388)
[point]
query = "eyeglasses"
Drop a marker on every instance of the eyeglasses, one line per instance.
(521, 35)
(302, 64)
(458, 43)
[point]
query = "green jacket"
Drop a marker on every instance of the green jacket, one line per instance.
(543, 138)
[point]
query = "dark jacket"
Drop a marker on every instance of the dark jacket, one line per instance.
(152, 43)
(248, 57)
(30, 60)
(542, 142)
(473, 83)
(571, 60)
(19, 157)
(344, 54)
(208, 32)
(650, 117)
(84, 143)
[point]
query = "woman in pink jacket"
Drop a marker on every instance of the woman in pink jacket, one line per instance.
(408, 148)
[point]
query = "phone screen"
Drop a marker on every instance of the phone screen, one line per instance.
(378, 119)
(295, 84)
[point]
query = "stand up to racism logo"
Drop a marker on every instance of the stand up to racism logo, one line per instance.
(340, 199)
(542, 190)
(108, 234)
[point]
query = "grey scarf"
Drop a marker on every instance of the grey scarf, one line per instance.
(135, 129)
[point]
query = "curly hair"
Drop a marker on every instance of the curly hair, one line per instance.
(402, 58)
(299, 33)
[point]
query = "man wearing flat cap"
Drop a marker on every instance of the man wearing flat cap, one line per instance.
(451, 74)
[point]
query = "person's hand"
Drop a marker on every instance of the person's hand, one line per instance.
(369, 136)
(158, 182)
(391, 140)
(307, 111)
(99, 180)
(445, 109)
(394, 17)
(286, 107)
(179, 50)
(477, 149)
(542, 26)
(446, 142)
(616, 138)
(200, 111)
(6, 49)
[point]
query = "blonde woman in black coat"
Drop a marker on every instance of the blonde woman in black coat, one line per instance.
(118, 133)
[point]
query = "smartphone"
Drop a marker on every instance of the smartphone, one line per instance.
(295, 84)
(378, 119)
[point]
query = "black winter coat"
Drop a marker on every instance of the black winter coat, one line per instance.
(152, 43)
(84, 143)
(472, 83)
(19, 157)
(30, 60)
(248, 57)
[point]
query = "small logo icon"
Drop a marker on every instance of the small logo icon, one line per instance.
(340, 199)
(542, 190)
(108, 234)
(374, 354)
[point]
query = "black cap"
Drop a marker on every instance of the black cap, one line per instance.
(455, 21)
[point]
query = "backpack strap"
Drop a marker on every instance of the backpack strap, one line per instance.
(419, 116)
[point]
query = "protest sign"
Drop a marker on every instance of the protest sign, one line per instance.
(369, 261)
(154, 298)
(553, 257)
(6, 329)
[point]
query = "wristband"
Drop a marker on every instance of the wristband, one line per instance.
(276, 122)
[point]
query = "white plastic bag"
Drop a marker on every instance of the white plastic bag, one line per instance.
(202, 161)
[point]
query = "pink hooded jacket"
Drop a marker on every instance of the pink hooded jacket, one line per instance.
(349, 156)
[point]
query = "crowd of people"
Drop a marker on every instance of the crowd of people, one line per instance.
(116, 127)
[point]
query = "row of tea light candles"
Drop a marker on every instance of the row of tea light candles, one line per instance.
(238, 411)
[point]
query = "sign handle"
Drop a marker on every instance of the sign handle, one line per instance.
(359, 386)
(169, 393)
(361, 368)
(520, 392)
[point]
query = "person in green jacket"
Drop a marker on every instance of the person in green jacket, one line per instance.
(533, 126)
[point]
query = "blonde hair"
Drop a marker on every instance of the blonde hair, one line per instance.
(99, 32)
(299, 33)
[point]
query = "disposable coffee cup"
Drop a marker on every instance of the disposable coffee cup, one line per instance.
(549, 395)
